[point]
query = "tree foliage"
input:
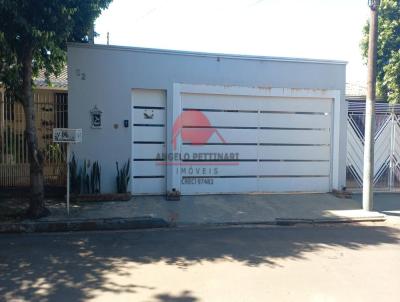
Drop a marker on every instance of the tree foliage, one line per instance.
(388, 64)
(33, 37)
(44, 27)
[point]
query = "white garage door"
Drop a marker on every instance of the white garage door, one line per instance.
(149, 134)
(255, 144)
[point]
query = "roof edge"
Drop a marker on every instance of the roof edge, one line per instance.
(204, 54)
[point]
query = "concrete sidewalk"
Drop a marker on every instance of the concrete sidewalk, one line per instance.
(155, 211)
(214, 209)
(385, 203)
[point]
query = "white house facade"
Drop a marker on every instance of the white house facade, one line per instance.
(199, 123)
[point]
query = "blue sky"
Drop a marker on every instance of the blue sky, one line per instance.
(325, 29)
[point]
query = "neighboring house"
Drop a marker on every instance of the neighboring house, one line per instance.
(357, 91)
(201, 123)
(51, 109)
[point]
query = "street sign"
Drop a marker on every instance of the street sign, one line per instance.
(67, 135)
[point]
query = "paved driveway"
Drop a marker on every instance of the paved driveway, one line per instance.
(329, 263)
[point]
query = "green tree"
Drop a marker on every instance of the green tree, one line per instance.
(388, 64)
(33, 36)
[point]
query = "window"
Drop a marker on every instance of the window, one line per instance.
(61, 110)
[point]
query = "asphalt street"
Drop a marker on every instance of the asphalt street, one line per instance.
(357, 262)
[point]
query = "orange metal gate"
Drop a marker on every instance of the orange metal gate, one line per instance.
(51, 109)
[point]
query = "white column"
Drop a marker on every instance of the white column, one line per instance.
(339, 142)
(174, 110)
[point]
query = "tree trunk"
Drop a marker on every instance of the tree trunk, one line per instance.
(36, 205)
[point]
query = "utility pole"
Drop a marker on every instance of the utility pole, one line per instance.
(368, 177)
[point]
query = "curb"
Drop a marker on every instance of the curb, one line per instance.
(84, 225)
(148, 222)
(294, 221)
(285, 222)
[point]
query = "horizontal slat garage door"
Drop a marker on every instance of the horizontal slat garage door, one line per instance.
(281, 144)
(149, 135)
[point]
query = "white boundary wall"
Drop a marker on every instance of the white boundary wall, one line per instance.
(106, 75)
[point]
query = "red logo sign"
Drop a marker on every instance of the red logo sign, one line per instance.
(194, 127)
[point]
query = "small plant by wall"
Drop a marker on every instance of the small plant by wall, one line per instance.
(123, 176)
(95, 178)
(75, 174)
(85, 179)
(85, 182)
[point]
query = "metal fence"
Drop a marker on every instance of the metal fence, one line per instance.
(387, 146)
(51, 109)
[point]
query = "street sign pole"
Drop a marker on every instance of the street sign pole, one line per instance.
(67, 136)
(68, 176)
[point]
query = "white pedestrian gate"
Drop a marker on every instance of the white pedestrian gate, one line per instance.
(149, 137)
